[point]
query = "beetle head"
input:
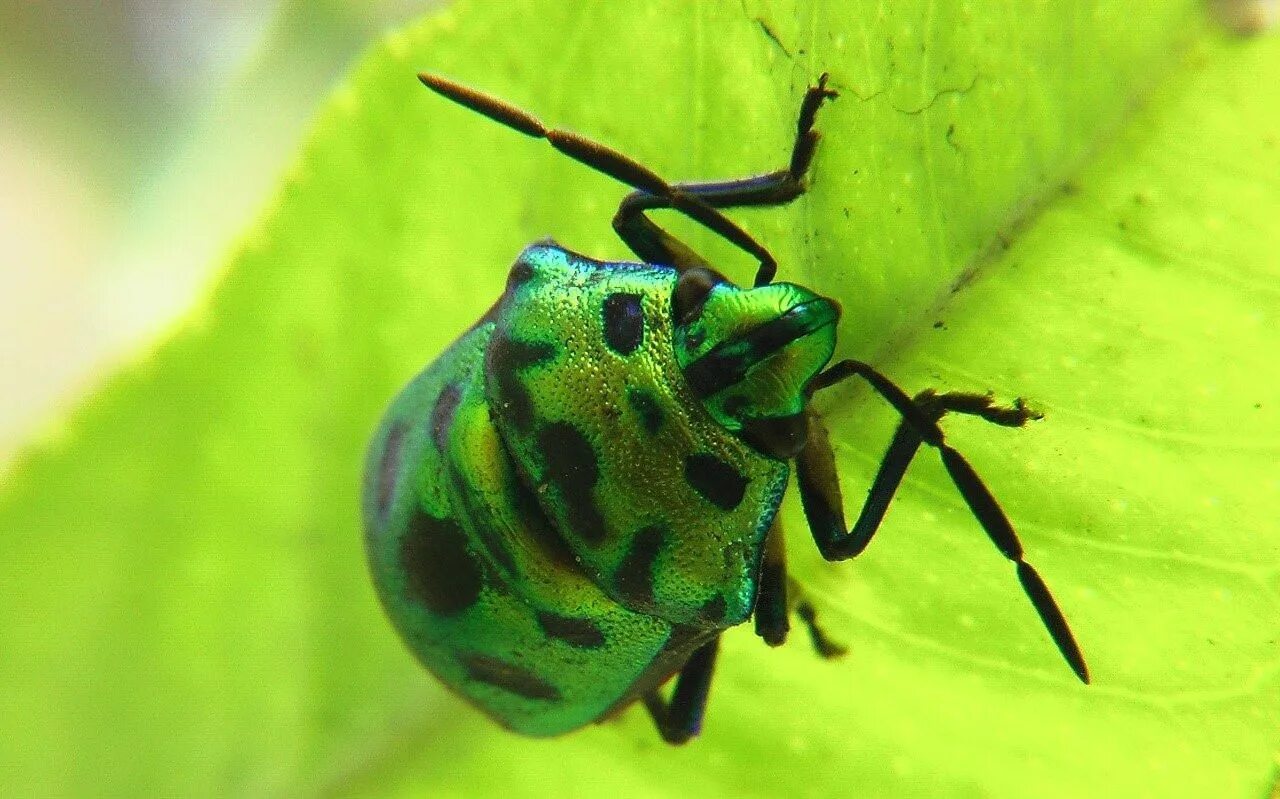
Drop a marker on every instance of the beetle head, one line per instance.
(748, 354)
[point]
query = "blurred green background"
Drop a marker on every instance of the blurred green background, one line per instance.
(229, 234)
(137, 141)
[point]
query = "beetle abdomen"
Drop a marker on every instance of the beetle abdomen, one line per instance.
(471, 572)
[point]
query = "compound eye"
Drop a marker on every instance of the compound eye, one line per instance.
(691, 292)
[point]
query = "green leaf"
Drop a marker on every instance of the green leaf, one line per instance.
(1074, 204)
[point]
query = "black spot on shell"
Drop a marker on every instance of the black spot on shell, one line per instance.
(717, 482)
(634, 578)
(509, 677)
(582, 633)
(389, 469)
(442, 415)
(623, 322)
(440, 571)
(507, 358)
(729, 361)
(647, 408)
(573, 467)
(713, 610)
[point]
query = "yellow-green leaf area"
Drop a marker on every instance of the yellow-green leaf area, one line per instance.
(1071, 203)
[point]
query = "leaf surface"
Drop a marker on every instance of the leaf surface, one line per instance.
(1072, 203)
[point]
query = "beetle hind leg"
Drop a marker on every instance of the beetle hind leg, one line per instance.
(681, 719)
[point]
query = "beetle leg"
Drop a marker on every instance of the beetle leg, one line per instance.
(823, 505)
(606, 160)
(681, 718)
(655, 245)
(770, 612)
(779, 595)
(822, 644)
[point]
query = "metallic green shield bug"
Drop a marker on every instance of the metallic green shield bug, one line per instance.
(571, 503)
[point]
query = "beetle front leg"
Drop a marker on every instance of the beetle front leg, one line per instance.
(823, 504)
(647, 240)
(681, 718)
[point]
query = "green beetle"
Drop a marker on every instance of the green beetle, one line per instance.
(575, 499)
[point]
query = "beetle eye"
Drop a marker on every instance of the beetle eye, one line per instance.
(691, 292)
